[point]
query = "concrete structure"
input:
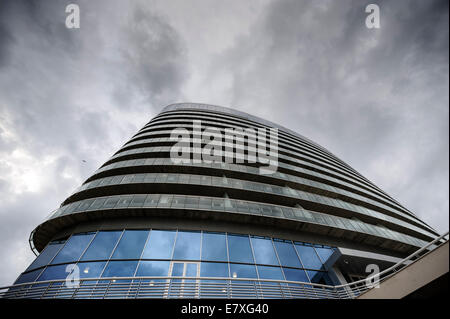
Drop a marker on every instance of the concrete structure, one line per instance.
(143, 214)
(426, 277)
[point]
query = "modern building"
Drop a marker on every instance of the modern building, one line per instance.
(147, 224)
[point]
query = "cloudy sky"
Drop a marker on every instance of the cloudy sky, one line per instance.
(69, 98)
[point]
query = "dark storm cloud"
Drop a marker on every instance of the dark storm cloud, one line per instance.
(70, 98)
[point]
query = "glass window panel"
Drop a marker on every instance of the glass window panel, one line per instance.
(28, 277)
(73, 249)
(165, 200)
(286, 253)
(295, 274)
(324, 253)
(138, 178)
(241, 206)
(264, 252)
(151, 200)
(127, 179)
(102, 245)
(47, 254)
(208, 269)
(308, 256)
(187, 246)
(177, 269)
(217, 204)
(214, 246)
(120, 268)
(84, 205)
(98, 203)
(131, 244)
(153, 268)
(191, 270)
(124, 201)
(191, 202)
(267, 272)
(54, 273)
(242, 271)
(111, 202)
(138, 200)
(319, 277)
(205, 203)
(159, 245)
(91, 269)
(178, 201)
(254, 208)
(239, 249)
(172, 178)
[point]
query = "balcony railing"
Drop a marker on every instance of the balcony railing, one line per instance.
(204, 287)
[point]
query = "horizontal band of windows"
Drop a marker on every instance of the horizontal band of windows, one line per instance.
(162, 205)
(296, 139)
(188, 124)
(120, 268)
(278, 179)
(337, 170)
(175, 245)
(164, 151)
(281, 159)
(214, 121)
(159, 139)
(236, 189)
(237, 145)
(156, 159)
(303, 139)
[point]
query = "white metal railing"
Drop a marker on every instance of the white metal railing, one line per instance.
(205, 287)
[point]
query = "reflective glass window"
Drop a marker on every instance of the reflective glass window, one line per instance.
(120, 269)
(187, 246)
(308, 256)
(191, 270)
(239, 249)
(267, 272)
(295, 274)
(151, 200)
(131, 244)
(214, 247)
(138, 200)
(124, 201)
(208, 269)
(102, 245)
(324, 253)
(242, 271)
(159, 245)
(111, 202)
(47, 254)
(191, 202)
(28, 277)
(153, 268)
(74, 248)
(165, 200)
(91, 269)
(205, 203)
(286, 253)
(54, 273)
(98, 203)
(264, 252)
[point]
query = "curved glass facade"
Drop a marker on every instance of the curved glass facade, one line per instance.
(156, 252)
(221, 221)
